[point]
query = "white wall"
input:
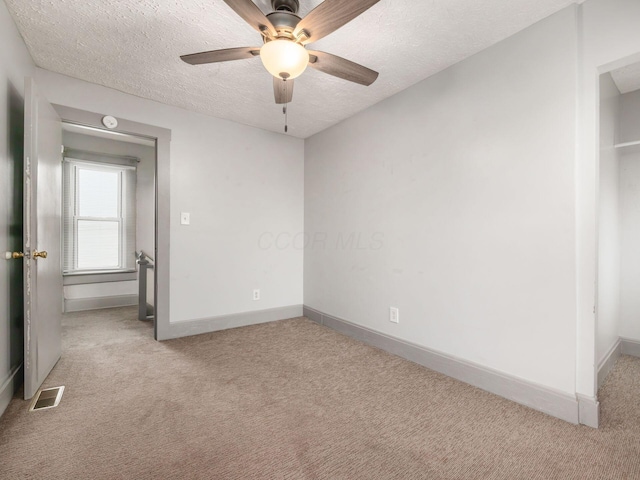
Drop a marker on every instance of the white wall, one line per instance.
(609, 224)
(630, 217)
(15, 64)
(236, 181)
(462, 191)
(609, 39)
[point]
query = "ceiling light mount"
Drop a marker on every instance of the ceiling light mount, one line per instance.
(285, 5)
(284, 22)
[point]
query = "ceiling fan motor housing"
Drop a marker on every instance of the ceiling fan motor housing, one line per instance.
(285, 5)
(284, 22)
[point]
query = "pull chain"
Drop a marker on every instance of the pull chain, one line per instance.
(285, 109)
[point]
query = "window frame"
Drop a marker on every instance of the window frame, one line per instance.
(118, 165)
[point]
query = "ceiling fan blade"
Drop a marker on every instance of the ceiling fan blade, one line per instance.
(282, 90)
(341, 67)
(251, 14)
(224, 55)
(329, 16)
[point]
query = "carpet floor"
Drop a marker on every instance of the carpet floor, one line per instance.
(292, 400)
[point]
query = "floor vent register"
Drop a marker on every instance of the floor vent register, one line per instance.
(47, 398)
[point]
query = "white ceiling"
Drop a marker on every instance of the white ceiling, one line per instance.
(627, 79)
(134, 46)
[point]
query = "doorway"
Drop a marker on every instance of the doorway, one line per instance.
(159, 283)
(108, 219)
(618, 267)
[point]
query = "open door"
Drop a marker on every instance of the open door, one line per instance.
(42, 217)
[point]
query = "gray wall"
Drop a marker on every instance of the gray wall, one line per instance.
(15, 64)
(458, 194)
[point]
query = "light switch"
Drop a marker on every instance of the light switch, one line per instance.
(184, 218)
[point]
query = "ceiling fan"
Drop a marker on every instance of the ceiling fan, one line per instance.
(284, 36)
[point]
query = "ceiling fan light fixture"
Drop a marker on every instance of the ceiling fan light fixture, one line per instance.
(284, 58)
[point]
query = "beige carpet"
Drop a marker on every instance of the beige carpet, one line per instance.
(292, 400)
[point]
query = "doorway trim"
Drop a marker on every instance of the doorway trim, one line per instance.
(162, 137)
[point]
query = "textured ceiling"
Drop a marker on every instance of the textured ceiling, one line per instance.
(134, 46)
(627, 78)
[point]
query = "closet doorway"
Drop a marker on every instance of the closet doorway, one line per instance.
(618, 278)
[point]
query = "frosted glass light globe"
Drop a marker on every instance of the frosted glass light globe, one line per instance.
(284, 57)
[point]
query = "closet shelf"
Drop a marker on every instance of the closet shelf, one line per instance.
(627, 144)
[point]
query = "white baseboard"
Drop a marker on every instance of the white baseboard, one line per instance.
(8, 387)
(608, 362)
(630, 347)
(95, 303)
(558, 404)
(223, 322)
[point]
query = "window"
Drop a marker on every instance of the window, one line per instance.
(99, 216)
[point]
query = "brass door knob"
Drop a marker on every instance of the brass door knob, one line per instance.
(16, 255)
(37, 254)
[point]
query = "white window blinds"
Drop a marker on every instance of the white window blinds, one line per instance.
(99, 230)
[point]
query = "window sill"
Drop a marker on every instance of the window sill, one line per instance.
(81, 278)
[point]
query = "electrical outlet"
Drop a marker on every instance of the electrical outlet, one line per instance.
(185, 218)
(256, 294)
(394, 315)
